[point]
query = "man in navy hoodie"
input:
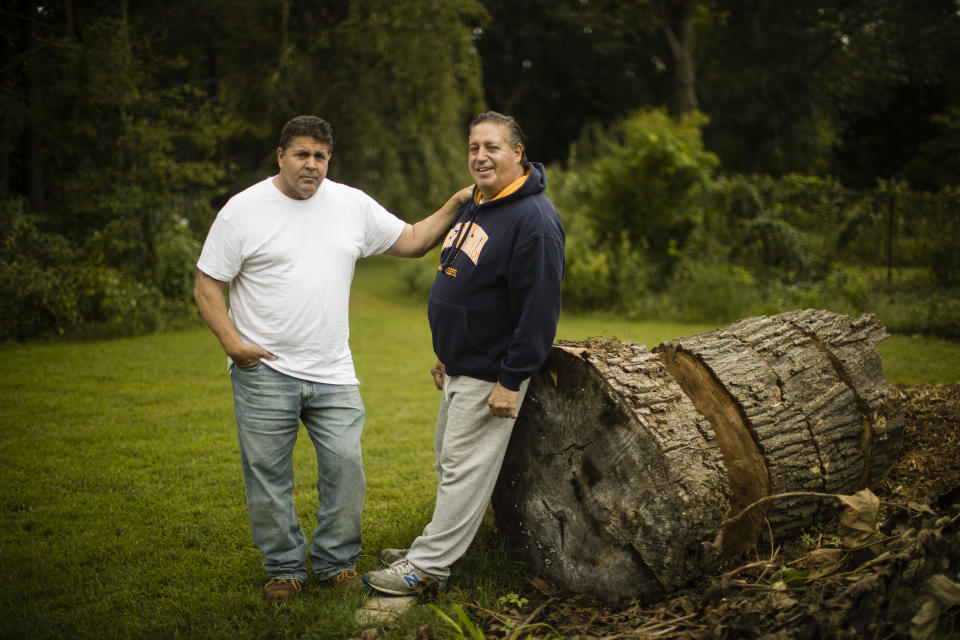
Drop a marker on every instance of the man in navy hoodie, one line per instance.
(493, 313)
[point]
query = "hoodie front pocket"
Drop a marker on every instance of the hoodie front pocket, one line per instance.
(489, 326)
(465, 338)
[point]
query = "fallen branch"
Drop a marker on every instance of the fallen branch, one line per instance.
(654, 628)
(528, 620)
(717, 543)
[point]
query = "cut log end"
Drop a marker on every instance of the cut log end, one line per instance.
(624, 462)
(745, 466)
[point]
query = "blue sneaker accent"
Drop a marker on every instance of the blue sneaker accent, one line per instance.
(402, 579)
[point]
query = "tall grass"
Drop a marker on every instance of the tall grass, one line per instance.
(121, 501)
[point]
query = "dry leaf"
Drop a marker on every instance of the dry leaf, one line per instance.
(858, 522)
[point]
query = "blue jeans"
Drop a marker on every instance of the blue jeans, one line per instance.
(269, 407)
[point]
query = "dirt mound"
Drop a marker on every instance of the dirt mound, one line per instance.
(885, 566)
(928, 468)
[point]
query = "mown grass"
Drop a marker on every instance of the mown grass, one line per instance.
(121, 501)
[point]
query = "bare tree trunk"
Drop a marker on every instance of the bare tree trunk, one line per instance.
(32, 143)
(8, 84)
(676, 19)
(69, 26)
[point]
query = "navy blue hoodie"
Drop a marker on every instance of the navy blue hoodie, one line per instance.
(495, 302)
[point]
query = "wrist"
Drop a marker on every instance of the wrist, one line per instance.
(232, 345)
(509, 384)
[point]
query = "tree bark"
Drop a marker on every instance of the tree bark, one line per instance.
(34, 184)
(624, 462)
(676, 19)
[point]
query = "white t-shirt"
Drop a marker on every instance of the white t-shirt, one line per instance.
(290, 264)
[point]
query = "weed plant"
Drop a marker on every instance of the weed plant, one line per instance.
(122, 510)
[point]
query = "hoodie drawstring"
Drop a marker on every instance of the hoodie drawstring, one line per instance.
(461, 237)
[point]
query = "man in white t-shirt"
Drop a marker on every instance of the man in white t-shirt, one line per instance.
(286, 247)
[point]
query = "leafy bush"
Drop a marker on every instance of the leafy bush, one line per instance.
(175, 268)
(764, 245)
(777, 229)
(936, 314)
(774, 245)
(418, 275)
(34, 289)
(641, 178)
(603, 274)
(48, 287)
(842, 291)
(717, 293)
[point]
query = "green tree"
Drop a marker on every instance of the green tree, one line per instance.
(557, 65)
(673, 27)
(861, 90)
(842, 88)
(894, 114)
(127, 124)
(640, 179)
(768, 71)
(401, 116)
(398, 82)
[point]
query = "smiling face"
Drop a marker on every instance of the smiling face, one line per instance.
(494, 162)
(303, 166)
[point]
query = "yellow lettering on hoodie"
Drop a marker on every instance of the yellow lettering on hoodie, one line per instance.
(451, 235)
(472, 245)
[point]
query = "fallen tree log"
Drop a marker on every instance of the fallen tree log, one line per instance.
(624, 462)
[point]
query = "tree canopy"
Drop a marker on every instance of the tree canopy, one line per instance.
(862, 90)
(125, 124)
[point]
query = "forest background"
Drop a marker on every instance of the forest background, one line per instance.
(709, 159)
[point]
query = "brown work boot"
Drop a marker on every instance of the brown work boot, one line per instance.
(346, 578)
(281, 589)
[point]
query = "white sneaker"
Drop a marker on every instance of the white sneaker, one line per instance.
(402, 579)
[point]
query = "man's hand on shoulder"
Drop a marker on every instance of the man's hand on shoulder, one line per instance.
(463, 196)
(416, 239)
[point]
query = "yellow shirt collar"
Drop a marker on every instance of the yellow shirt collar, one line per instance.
(510, 188)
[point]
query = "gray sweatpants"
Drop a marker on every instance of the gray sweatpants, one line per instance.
(469, 447)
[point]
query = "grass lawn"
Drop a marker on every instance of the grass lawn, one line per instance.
(122, 502)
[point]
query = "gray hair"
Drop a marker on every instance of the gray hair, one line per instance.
(509, 123)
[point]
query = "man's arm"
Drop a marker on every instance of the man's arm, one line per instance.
(208, 292)
(416, 239)
(535, 288)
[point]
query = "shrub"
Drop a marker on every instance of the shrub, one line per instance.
(639, 177)
(769, 243)
(937, 314)
(717, 293)
(842, 291)
(602, 273)
(782, 229)
(175, 268)
(35, 294)
(48, 287)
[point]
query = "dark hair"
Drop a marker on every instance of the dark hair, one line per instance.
(310, 126)
(514, 132)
